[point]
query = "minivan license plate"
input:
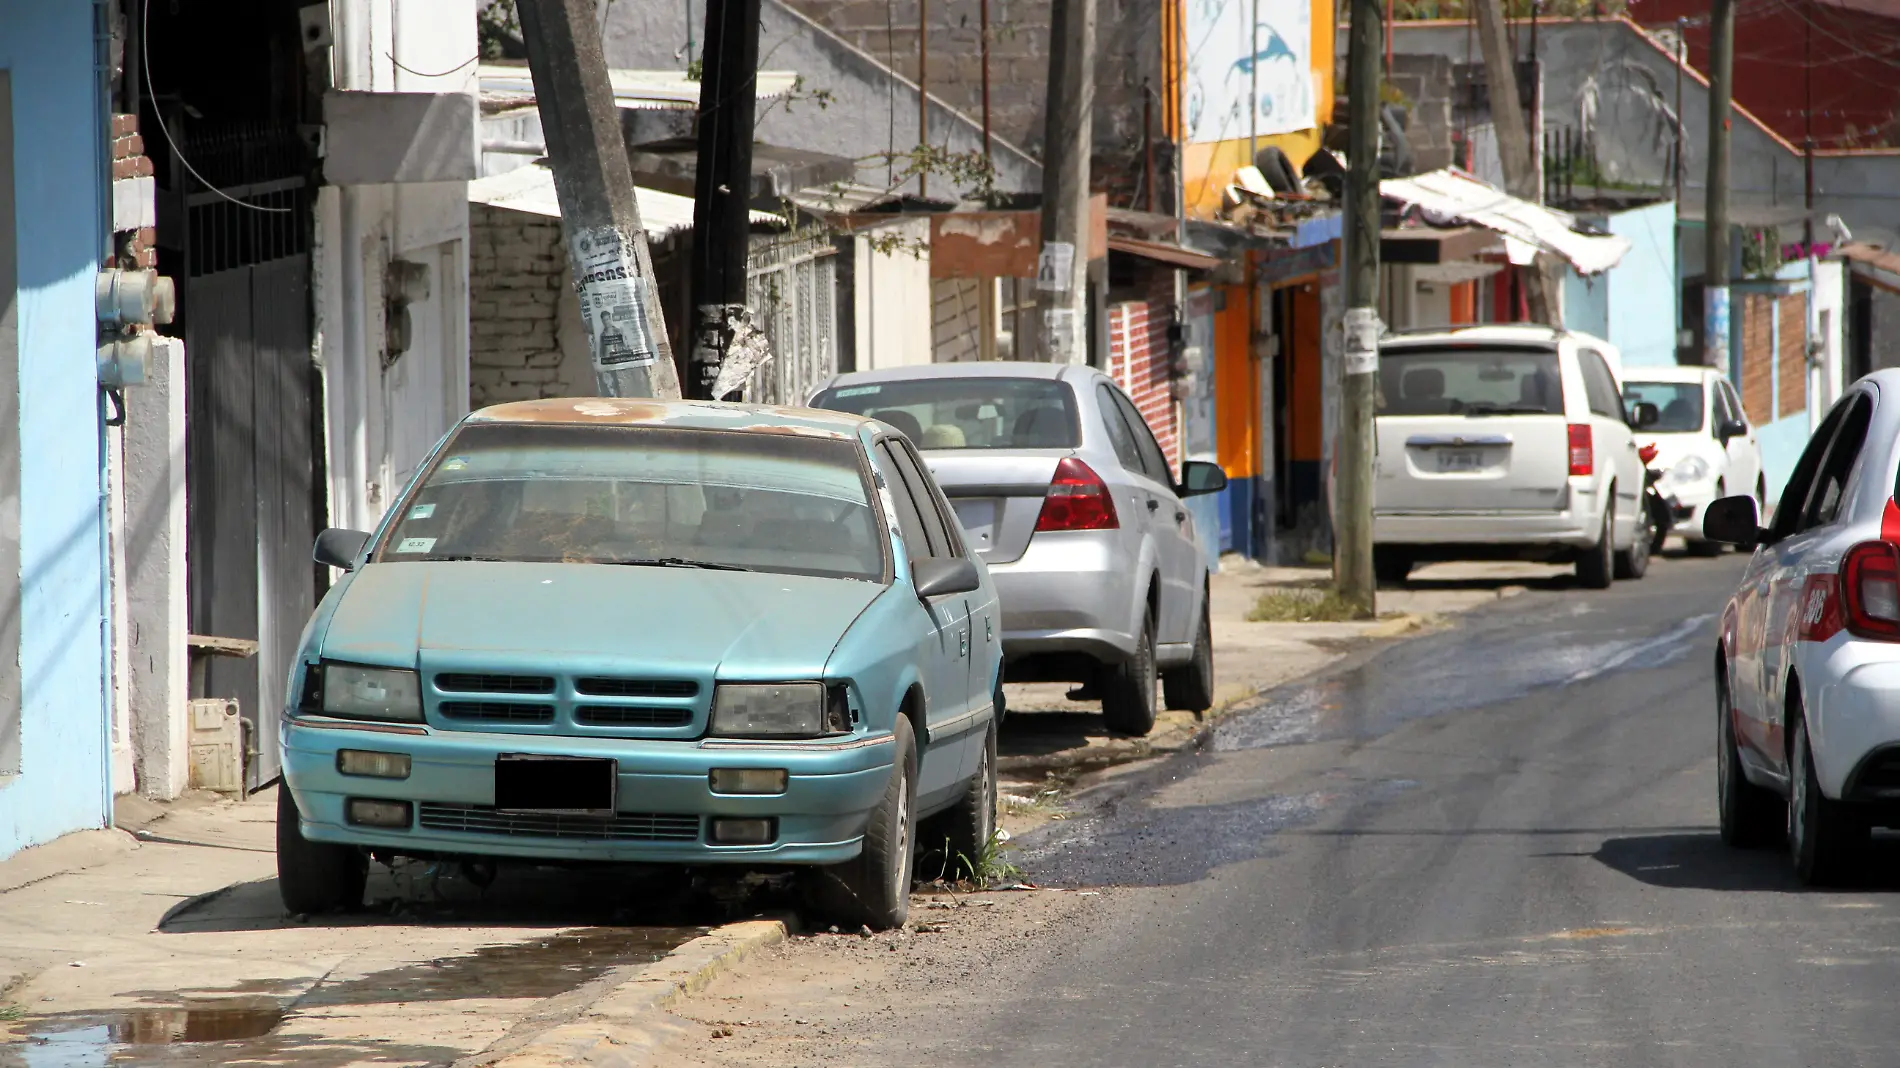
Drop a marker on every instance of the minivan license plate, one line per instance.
(1460, 460)
(578, 785)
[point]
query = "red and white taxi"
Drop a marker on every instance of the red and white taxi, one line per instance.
(1808, 672)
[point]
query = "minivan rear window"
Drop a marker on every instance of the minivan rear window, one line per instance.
(1423, 380)
(966, 413)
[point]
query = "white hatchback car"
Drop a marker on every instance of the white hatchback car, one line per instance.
(1807, 672)
(1507, 442)
(1705, 447)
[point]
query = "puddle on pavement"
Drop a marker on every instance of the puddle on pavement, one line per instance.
(1447, 673)
(252, 1030)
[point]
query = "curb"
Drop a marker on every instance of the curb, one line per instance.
(624, 1026)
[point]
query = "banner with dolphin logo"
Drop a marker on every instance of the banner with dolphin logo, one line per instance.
(1223, 71)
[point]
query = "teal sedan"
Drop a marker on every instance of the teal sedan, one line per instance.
(606, 629)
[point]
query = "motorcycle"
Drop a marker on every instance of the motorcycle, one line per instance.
(1662, 510)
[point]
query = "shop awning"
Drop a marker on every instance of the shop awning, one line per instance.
(531, 189)
(1452, 194)
(1162, 252)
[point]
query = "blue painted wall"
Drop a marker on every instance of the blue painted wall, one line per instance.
(60, 198)
(1632, 305)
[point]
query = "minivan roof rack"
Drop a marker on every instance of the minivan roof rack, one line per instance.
(1453, 328)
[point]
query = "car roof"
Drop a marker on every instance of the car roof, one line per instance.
(1668, 374)
(682, 414)
(1517, 333)
(973, 369)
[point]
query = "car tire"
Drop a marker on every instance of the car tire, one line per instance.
(1751, 817)
(1825, 837)
(315, 877)
(873, 889)
(1390, 567)
(1190, 687)
(966, 830)
(1596, 568)
(1633, 562)
(1128, 688)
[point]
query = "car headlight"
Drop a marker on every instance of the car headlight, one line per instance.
(371, 693)
(778, 710)
(1688, 469)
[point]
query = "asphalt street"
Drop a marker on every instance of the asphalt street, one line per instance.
(1491, 846)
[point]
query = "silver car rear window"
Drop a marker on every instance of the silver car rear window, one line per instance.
(1469, 380)
(966, 413)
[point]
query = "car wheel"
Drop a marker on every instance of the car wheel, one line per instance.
(315, 877)
(966, 830)
(873, 889)
(1128, 688)
(1633, 562)
(1390, 567)
(1824, 837)
(1750, 815)
(1190, 687)
(1597, 566)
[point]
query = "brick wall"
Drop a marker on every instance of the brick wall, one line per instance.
(1138, 359)
(1793, 357)
(525, 336)
(1757, 355)
(1128, 43)
(136, 244)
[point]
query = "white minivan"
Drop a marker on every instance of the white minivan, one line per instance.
(1507, 442)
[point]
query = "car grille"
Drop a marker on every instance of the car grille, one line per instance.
(612, 687)
(466, 682)
(621, 827)
(632, 716)
(498, 711)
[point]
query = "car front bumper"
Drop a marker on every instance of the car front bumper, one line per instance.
(830, 790)
(1069, 592)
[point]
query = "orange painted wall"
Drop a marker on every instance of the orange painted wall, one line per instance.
(1236, 385)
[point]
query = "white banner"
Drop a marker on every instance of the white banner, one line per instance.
(1222, 74)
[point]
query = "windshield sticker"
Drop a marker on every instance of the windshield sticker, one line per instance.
(455, 463)
(422, 511)
(415, 545)
(859, 391)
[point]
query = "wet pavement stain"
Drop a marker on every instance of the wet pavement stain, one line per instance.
(252, 1030)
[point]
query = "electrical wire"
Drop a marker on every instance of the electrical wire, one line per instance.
(145, 57)
(440, 74)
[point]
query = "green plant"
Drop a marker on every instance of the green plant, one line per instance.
(987, 868)
(1323, 605)
(10, 1013)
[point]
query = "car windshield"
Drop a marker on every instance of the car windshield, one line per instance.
(966, 413)
(1679, 402)
(644, 496)
(1469, 380)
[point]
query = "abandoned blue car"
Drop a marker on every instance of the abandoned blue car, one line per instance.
(605, 629)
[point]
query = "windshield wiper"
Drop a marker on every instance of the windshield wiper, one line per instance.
(678, 561)
(1485, 408)
(458, 558)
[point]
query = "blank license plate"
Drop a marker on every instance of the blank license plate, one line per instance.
(978, 520)
(525, 783)
(1460, 459)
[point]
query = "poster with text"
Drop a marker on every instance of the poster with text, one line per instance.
(1223, 72)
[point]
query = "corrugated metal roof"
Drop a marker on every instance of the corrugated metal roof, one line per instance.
(637, 89)
(1454, 194)
(531, 189)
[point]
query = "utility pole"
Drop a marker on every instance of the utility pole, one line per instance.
(722, 187)
(606, 245)
(1352, 495)
(1068, 139)
(1514, 142)
(1715, 212)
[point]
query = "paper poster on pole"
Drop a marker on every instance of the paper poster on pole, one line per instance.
(613, 301)
(1054, 266)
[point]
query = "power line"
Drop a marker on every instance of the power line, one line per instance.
(145, 55)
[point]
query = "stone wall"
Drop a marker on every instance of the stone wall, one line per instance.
(525, 336)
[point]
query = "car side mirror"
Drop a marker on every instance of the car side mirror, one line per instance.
(939, 576)
(1734, 428)
(1733, 521)
(339, 547)
(1644, 415)
(1199, 477)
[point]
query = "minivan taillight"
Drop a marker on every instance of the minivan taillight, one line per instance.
(1870, 591)
(1582, 456)
(1077, 499)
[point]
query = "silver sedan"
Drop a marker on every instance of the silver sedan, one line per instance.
(1063, 490)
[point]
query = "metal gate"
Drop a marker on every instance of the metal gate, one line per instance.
(792, 289)
(251, 447)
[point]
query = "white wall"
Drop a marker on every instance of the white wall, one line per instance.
(893, 296)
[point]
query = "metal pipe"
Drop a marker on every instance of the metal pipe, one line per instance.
(983, 17)
(923, 92)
